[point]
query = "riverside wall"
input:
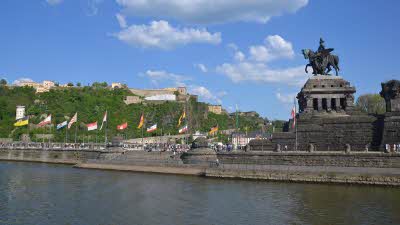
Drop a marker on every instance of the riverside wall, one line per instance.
(54, 156)
(339, 159)
(372, 168)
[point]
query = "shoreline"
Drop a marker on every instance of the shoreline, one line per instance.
(330, 168)
(323, 177)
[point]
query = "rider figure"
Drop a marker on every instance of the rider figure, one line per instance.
(322, 53)
(321, 45)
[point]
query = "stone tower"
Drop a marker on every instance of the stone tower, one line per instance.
(328, 120)
(391, 127)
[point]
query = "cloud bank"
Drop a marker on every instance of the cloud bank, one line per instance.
(211, 11)
(160, 34)
(255, 67)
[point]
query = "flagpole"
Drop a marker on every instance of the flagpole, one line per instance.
(142, 130)
(105, 130)
(76, 130)
(294, 120)
(66, 135)
(97, 134)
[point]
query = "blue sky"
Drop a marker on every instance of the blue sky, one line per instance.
(226, 51)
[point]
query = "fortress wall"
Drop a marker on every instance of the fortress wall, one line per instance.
(147, 93)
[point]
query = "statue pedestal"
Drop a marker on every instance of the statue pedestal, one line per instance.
(326, 94)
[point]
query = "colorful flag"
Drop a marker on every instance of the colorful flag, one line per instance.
(92, 126)
(104, 120)
(122, 126)
(73, 120)
(141, 122)
(152, 128)
(213, 130)
(22, 122)
(62, 125)
(183, 116)
(45, 121)
(184, 129)
(294, 116)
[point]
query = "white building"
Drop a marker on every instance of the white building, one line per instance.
(20, 112)
(48, 84)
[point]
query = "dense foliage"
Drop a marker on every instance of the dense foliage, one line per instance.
(92, 102)
(371, 103)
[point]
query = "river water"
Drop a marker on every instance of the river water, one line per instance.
(33, 193)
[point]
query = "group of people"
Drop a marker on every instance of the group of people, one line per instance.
(222, 148)
(392, 147)
(158, 147)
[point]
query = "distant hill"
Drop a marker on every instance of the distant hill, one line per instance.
(92, 102)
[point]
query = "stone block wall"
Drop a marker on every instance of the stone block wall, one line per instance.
(358, 133)
(369, 159)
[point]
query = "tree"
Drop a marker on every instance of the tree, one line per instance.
(100, 84)
(70, 84)
(3, 82)
(371, 103)
(78, 84)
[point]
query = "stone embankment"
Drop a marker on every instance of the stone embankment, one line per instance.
(355, 168)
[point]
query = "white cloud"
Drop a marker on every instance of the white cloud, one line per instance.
(160, 34)
(286, 98)
(201, 67)
(211, 11)
(255, 68)
(93, 7)
(222, 93)
(54, 2)
(275, 47)
(121, 20)
(239, 56)
(21, 80)
(205, 94)
(157, 76)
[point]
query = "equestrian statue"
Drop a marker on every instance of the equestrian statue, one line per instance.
(322, 60)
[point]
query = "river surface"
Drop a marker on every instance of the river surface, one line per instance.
(34, 193)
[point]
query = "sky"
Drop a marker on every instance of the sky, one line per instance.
(229, 52)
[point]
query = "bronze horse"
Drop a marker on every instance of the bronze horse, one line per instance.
(321, 62)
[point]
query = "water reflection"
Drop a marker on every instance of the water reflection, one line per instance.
(53, 194)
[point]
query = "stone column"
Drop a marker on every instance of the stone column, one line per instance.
(328, 104)
(338, 106)
(319, 104)
(309, 105)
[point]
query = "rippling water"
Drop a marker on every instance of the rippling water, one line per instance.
(33, 193)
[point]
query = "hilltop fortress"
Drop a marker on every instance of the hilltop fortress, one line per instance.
(158, 96)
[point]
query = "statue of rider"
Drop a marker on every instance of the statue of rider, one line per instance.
(322, 53)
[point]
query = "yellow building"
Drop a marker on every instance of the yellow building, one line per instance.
(217, 109)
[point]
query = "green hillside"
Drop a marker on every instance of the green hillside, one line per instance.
(92, 102)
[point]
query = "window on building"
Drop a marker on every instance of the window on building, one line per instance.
(324, 104)
(315, 103)
(333, 103)
(343, 103)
